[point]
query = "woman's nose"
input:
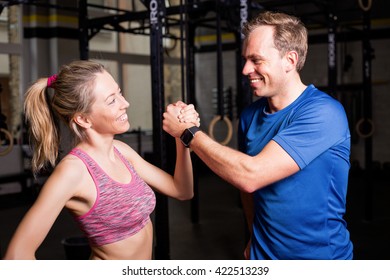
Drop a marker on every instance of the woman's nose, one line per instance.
(124, 102)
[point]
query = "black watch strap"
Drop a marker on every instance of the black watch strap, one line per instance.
(188, 134)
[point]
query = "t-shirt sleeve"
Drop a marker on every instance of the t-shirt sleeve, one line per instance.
(315, 127)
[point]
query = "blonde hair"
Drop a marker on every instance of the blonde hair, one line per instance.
(73, 93)
(289, 33)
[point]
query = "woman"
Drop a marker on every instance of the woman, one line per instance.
(103, 182)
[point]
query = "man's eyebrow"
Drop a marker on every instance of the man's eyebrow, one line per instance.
(253, 56)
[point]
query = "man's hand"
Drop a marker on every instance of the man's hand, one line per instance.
(178, 117)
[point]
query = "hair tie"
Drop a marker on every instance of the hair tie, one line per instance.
(51, 80)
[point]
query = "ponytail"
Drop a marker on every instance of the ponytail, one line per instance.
(43, 130)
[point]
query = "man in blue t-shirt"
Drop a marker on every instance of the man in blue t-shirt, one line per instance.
(294, 144)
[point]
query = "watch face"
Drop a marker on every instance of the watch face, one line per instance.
(186, 137)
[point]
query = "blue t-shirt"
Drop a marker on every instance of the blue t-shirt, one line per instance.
(301, 216)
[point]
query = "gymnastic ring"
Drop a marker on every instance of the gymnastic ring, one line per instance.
(359, 131)
(229, 127)
(11, 142)
(365, 8)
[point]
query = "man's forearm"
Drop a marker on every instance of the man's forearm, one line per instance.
(222, 160)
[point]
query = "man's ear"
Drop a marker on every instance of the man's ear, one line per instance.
(82, 121)
(291, 60)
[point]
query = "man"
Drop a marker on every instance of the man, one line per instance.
(295, 148)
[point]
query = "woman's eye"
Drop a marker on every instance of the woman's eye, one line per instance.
(113, 100)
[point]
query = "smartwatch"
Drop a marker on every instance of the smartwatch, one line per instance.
(188, 135)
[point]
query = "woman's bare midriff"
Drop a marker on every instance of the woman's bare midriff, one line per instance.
(135, 247)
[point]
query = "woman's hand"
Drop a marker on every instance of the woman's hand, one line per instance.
(178, 117)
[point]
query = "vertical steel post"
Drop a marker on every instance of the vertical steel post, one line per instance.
(244, 96)
(83, 30)
(219, 63)
(332, 54)
(190, 98)
(157, 14)
(367, 113)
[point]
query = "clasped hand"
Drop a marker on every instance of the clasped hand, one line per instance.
(178, 117)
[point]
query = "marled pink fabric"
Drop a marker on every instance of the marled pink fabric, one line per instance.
(120, 210)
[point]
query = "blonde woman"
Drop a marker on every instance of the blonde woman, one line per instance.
(104, 183)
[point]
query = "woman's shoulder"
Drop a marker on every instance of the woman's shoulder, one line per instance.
(66, 178)
(128, 153)
(71, 167)
(124, 148)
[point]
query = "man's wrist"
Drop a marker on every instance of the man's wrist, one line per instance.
(188, 135)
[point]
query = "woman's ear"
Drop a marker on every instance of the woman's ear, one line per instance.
(82, 121)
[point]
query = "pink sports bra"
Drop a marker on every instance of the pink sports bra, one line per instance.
(120, 210)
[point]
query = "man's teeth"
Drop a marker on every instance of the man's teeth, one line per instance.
(255, 80)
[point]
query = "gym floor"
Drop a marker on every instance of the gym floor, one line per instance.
(219, 233)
